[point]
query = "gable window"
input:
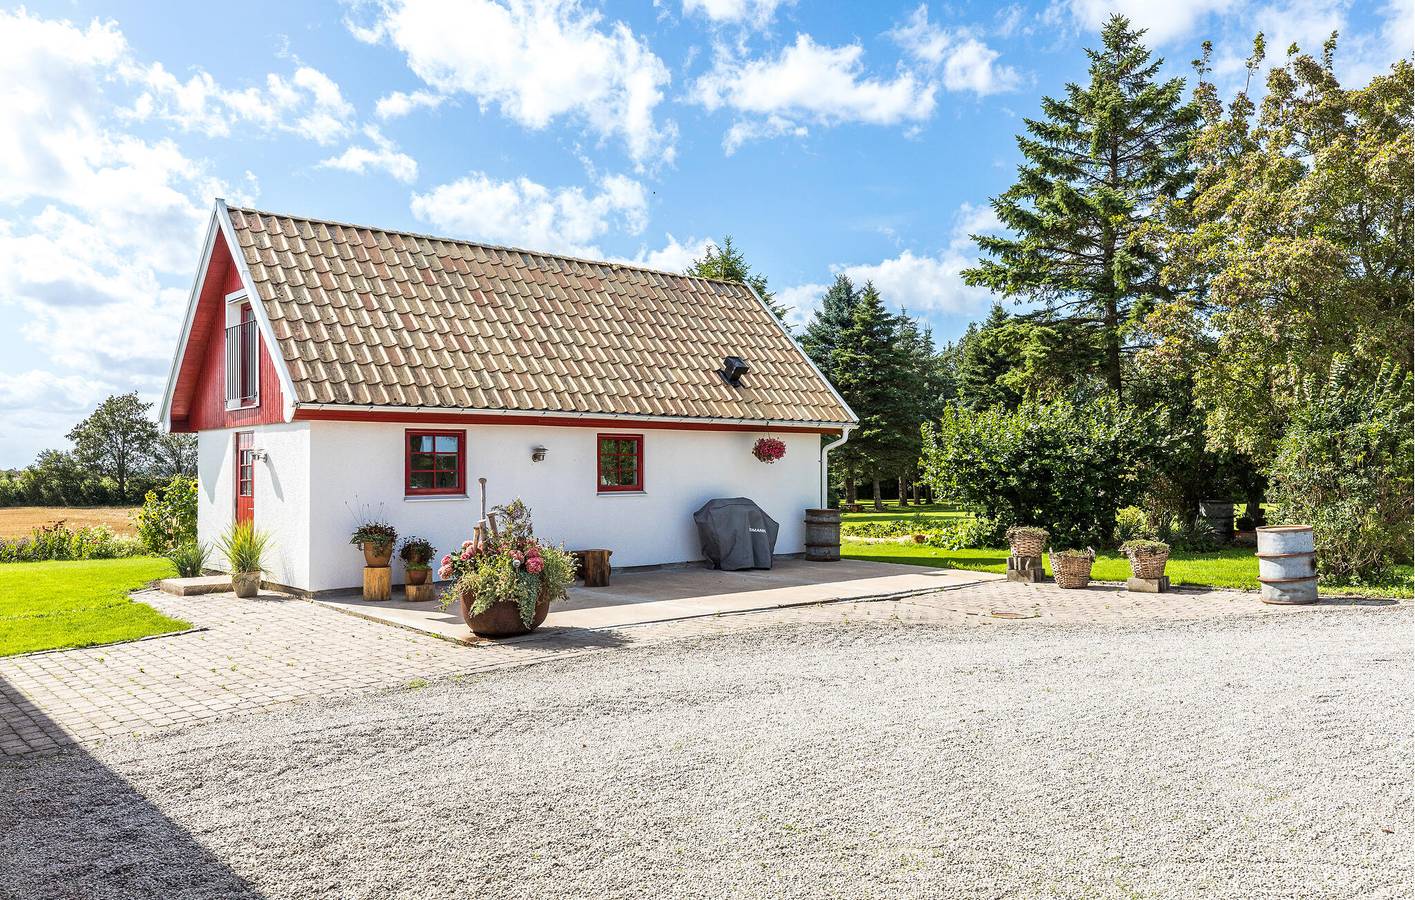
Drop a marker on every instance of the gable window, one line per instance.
(242, 358)
(620, 463)
(436, 463)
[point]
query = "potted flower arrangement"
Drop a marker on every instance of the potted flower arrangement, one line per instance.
(1072, 568)
(768, 450)
(376, 539)
(244, 548)
(1147, 558)
(505, 579)
(416, 554)
(1027, 540)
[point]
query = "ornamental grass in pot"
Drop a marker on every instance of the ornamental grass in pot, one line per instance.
(376, 539)
(1072, 568)
(1147, 558)
(504, 578)
(244, 548)
(1027, 540)
(416, 554)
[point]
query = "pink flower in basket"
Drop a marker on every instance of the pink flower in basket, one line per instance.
(534, 565)
(768, 450)
(445, 572)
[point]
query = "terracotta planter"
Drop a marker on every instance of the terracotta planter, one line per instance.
(503, 619)
(418, 576)
(246, 584)
(377, 556)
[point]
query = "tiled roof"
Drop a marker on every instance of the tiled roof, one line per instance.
(384, 318)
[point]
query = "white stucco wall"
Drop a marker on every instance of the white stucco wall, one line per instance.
(282, 495)
(361, 465)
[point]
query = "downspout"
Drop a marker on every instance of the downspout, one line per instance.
(824, 463)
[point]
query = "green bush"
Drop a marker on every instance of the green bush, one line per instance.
(1343, 466)
(1132, 524)
(1067, 466)
(190, 558)
(60, 542)
(168, 518)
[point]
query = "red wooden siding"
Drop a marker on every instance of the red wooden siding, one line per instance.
(199, 400)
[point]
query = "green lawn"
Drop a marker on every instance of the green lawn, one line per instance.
(47, 605)
(1232, 568)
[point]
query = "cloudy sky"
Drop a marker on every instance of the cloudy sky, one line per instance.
(857, 137)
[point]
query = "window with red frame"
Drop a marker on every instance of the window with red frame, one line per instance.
(621, 462)
(436, 462)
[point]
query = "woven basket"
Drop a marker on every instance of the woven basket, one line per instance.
(1026, 544)
(1149, 565)
(1072, 571)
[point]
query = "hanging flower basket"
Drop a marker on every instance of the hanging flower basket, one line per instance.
(768, 450)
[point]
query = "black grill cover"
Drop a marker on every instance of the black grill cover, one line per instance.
(736, 534)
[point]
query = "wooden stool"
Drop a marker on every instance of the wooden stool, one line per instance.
(377, 583)
(593, 566)
(416, 593)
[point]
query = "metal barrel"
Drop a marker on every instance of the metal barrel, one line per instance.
(823, 535)
(1287, 564)
(1219, 514)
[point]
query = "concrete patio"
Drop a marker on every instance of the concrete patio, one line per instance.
(684, 592)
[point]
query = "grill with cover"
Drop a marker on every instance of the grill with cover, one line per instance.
(736, 534)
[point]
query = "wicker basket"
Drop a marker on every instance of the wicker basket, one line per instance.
(1026, 544)
(1072, 571)
(1148, 565)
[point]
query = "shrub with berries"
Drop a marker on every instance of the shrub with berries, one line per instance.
(768, 450)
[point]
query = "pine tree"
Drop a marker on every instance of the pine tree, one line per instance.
(988, 355)
(829, 322)
(872, 378)
(729, 264)
(1095, 168)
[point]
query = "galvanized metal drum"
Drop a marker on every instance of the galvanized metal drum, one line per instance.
(823, 535)
(1287, 564)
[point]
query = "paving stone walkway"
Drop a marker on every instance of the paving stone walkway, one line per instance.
(253, 654)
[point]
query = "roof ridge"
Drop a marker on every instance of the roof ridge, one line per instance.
(506, 247)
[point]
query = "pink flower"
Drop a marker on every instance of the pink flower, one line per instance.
(534, 565)
(447, 560)
(444, 573)
(532, 551)
(467, 553)
(466, 545)
(518, 556)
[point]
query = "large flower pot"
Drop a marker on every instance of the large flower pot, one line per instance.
(1148, 565)
(246, 584)
(377, 556)
(418, 576)
(503, 619)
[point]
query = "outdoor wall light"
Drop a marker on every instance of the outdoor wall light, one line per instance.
(538, 454)
(260, 455)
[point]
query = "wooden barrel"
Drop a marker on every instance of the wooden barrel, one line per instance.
(823, 535)
(1287, 564)
(1219, 515)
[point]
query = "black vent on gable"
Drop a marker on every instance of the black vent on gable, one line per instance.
(733, 369)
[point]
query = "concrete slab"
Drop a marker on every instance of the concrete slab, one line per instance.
(659, 595)
(202, 584)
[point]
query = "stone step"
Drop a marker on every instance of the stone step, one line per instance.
(202, 584)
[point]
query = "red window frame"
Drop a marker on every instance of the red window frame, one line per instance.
(461, 465)
(638, 457)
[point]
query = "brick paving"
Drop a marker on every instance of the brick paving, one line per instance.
(258, 653)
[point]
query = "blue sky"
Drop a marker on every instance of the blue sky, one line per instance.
(857, 137)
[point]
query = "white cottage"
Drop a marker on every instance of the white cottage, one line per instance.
(329, 369)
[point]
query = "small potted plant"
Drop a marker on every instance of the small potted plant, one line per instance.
(416, 554)
(768, 450)
(376, 539)
(505, 579)
(1072, 568)
(1147, 558)
(1027, 540)
(244, 548)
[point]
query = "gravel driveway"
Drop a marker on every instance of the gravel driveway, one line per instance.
(1261, 756)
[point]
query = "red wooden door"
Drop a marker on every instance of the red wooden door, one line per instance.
(245, 476)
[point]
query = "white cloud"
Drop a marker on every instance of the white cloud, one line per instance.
(673, 256)
(536, 61)
(756, 12)
(966, 63)
(384, 154)
(526, 214)
(1164, 21)
(399, 104)
(757, 129)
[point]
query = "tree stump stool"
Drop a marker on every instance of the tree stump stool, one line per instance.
(593, 566)
(1027, 569)
(378, 584)
(416, 593)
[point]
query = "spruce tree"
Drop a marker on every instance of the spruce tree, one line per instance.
(726, 262)
(1095, 167)
(872, 377)
(829, 322)
(988, 355)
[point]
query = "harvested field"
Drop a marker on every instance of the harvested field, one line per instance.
(18, 521)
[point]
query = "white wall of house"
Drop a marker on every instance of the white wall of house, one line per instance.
(282, 495)
(354, 466)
